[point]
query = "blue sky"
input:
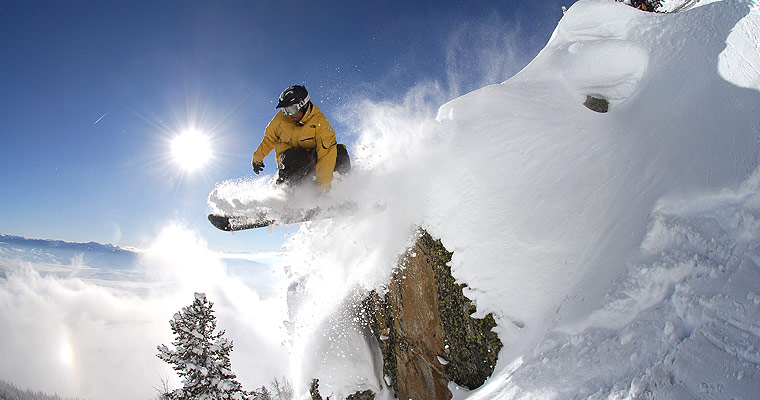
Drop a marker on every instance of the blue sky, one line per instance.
(94, 91)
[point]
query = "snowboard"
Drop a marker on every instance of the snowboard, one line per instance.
(261, 217)
(240, 204)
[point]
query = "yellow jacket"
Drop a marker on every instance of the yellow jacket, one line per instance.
(313, 131)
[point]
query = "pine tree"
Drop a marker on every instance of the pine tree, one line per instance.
(201, 356)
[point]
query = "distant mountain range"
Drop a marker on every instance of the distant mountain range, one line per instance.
(59, 252)
(38, 243)
(106, 262)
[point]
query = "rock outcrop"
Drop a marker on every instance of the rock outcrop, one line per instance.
(315, 395)
(597, 104)
(425, 329)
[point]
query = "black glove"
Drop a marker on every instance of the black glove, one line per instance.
(257, 166)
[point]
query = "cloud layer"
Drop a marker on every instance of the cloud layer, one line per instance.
(64, 333)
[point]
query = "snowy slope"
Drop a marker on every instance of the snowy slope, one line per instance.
(682, 322)
(593, 238)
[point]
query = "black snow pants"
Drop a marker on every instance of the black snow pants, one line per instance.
(297, 163)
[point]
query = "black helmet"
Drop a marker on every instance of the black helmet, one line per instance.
(294, 95)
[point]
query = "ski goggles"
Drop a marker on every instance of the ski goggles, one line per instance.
(291, 109)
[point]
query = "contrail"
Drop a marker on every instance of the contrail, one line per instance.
(101, 117)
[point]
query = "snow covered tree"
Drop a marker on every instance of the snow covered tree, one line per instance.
(283, 389)
(201, 356)
(262, 394)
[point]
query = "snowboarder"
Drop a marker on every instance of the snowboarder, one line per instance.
(303, 141)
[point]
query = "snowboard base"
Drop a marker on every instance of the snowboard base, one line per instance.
(233, 223)
(264, 217)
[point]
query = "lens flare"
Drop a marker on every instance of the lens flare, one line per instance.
(66, 352)
(191, 150)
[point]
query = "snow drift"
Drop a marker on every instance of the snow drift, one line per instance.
(550, 209)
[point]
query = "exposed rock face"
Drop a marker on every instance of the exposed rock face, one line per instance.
(597, 104)
(425, 330)
(315, 395)
(365, 395)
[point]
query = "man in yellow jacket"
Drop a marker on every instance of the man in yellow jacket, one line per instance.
(303, 141)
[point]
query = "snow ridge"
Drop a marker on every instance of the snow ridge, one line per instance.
(573, 228)
(684, 317)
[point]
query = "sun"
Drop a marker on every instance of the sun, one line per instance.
(191, 150)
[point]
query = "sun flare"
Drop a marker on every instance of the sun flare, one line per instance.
(191, 150)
